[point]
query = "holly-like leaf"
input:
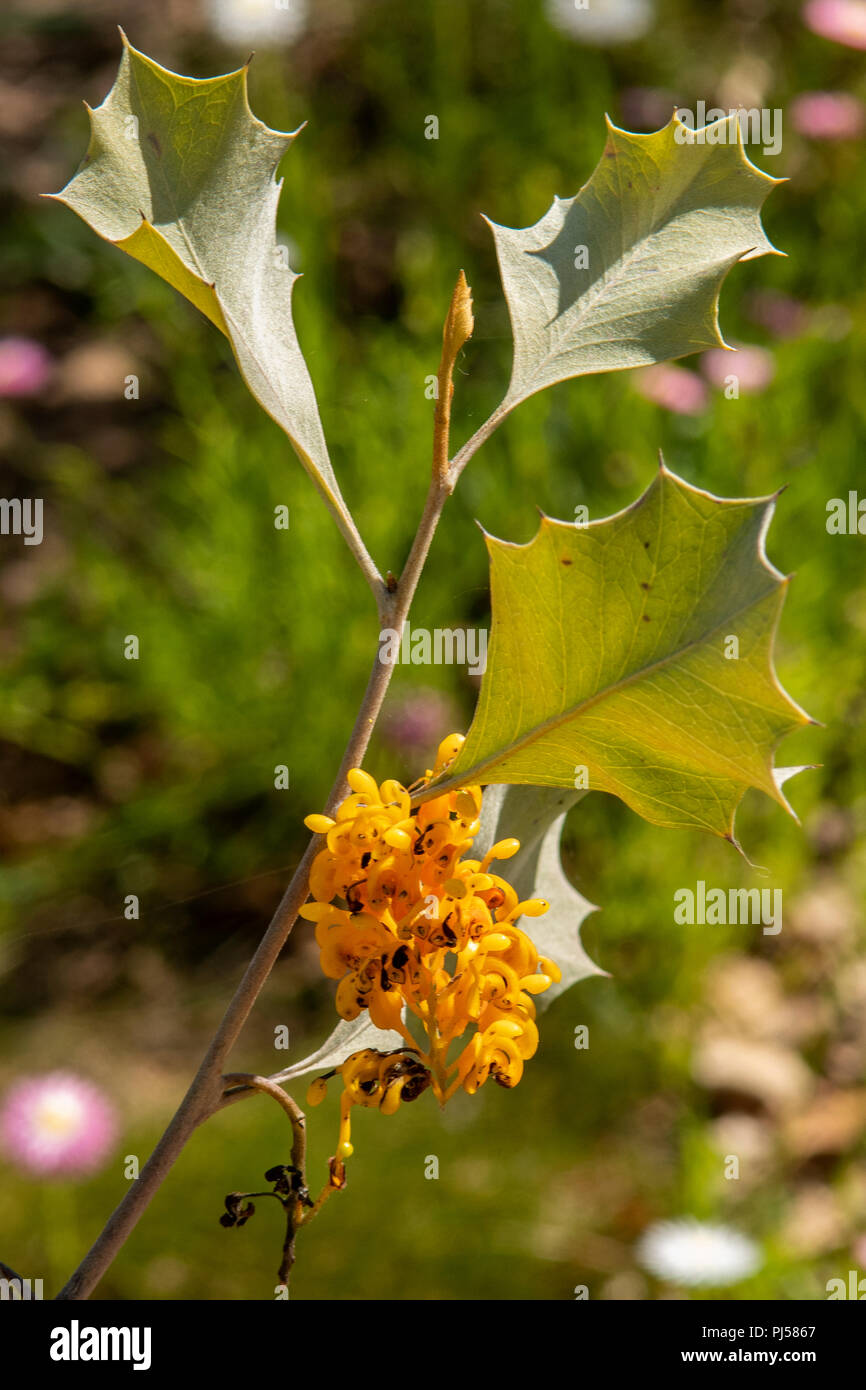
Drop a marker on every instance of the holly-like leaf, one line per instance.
(536, 816)
(629, 271)
(347, 1037)
(180, 175)
(637, 653)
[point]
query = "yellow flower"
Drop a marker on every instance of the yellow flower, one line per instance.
(372, 1079)
(404, 920)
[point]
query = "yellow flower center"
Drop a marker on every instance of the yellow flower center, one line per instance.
(58, 1115)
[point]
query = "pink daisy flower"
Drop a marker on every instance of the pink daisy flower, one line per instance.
(780, 314)
(25, 367)
(827, 115)
(753, 367)
(673, 388)
(57, 1125)
(844, 21)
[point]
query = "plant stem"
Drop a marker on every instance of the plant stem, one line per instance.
(205, 1095)
(241, 1083)
(318, 1204)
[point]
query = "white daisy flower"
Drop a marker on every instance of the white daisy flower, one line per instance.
(694, 1252)
(257, 21)
(602, 21)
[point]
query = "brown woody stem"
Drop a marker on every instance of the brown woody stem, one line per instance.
(206, 1095)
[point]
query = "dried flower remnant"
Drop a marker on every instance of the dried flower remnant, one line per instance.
(406, 923)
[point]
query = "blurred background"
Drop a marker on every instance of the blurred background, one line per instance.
(156, 777)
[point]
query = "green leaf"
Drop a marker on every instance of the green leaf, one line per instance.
(180, 175)
(608, 659)
(536, 816)
(629, 271)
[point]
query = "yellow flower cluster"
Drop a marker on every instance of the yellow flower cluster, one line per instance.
(373, 1079)
(402, 919)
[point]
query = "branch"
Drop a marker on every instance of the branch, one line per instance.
(207, 1093)
(240, 1084)
(204, 1096)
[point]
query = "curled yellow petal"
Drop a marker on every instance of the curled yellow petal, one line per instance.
(398, 839)
(347, 1000)
(550, 968)
(316, 1091)
(503, 849)
(361, 781)
(448, 750)
(535, 984)
(314, 912)
(532, 907)
(503, 1027)
(495, 941)
(390, 1102)
(467, 806)
(393, 792)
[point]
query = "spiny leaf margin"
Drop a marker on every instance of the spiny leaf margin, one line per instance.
(190, 192)
(541, 710)
(669, 299)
